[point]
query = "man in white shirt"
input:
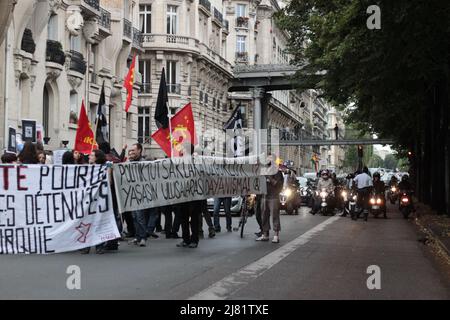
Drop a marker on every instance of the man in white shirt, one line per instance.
(363, 183)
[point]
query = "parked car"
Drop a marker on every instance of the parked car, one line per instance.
(236, 204)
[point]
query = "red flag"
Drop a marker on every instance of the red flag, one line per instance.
(183, 130)
(162, 137)
(128, 84)
(84, 140)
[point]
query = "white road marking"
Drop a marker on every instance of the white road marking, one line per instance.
(236, 281)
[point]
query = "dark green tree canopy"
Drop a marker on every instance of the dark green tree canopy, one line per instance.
(387, 73)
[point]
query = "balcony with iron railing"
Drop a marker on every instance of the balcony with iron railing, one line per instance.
(127, 29)
(137, 38)
(242, 22)
(205, 6)
(105, 19)
(218, 17)
(77, 62)
(174, 88)
(95, 4)
(226, 26)
(55, 53)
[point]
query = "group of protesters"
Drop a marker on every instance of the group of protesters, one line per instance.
(146, 223)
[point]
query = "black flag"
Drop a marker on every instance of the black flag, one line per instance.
(235, 121)
(161, 112)
(101, 134)
(238, 140)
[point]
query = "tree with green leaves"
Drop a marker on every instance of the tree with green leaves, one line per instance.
(396, 79)
(390, 162)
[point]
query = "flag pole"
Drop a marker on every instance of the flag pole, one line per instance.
(169, 114)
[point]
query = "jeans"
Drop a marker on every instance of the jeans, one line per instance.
(139, 224)
(227, 208)
(152, 217)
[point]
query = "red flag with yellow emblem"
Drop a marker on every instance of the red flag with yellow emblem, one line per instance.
(84, 140)
(183, 130)
(129, 83)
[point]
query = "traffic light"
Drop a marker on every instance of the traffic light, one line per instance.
(360, 151)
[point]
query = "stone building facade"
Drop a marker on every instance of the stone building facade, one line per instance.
(59, 52)
(187, 39)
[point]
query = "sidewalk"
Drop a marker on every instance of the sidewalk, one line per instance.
(438, 226)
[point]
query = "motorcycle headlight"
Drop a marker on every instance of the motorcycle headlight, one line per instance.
(405, 200)
(372, 201)
(344, 194)
(323, 194)
(354, 197)
(288, 192)
(379, 201)
(393, 189)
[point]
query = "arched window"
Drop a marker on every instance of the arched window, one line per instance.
(73, 118)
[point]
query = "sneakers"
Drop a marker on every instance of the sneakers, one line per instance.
(142, 243)
(276, 239)
(134, 241)
(193, 245)
(212, 233)
(262, 238)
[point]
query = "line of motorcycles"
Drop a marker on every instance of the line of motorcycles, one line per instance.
(344, 200)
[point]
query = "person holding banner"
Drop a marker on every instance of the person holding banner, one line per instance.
(190, 210)
(96, 157)
(140, 225)
(272, 207)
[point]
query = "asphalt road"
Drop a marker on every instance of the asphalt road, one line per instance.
(317, 258)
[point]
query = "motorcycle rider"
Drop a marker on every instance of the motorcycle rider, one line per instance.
(363, 183)
(406, 186)
(348, 187)
(325, 183)
(393, 181)
(379, 189)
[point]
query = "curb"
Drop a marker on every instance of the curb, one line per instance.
(435, 238)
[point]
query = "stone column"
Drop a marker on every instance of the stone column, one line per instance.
(257, 94)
